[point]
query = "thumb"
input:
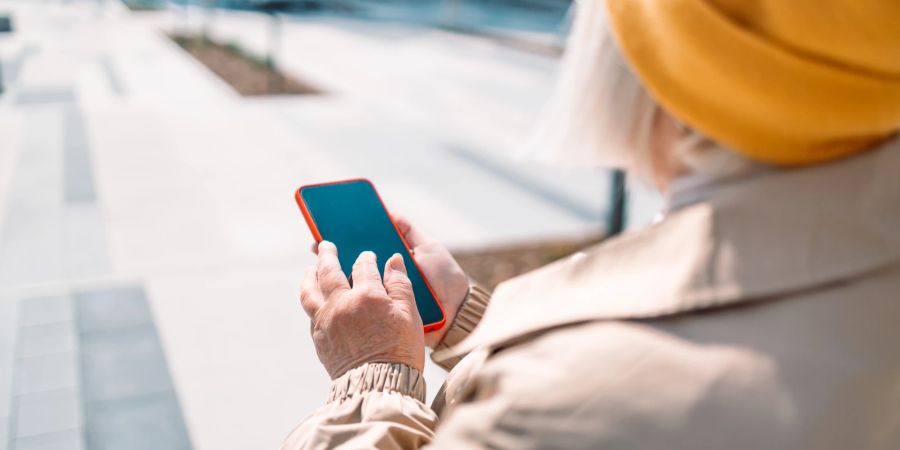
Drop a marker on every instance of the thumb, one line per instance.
(396, 282)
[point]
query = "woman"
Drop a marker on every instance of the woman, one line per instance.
(760, 313)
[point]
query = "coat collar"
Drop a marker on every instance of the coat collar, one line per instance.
(754, 238)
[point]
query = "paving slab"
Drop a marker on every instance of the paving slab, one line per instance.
(85, 248)
(43, 96)
(128, 396)
(8, 328)
(48, 372)
(63, 440)
(46, 339)
(123, 365)
(4, 433)
(11, 136)
(111, 309)
(47, 412)
(30, 246)
(152, 423)
(46, 310)
(78, 172)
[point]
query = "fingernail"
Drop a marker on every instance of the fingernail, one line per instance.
(366, 255)
(326, 245)
(396, 263)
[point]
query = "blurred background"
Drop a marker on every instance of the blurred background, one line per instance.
(150, 247)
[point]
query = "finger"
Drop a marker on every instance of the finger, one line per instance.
(396, 281)
(314, 248)
(332, 280)
(310, 295)
(413, 236)
(365, 272)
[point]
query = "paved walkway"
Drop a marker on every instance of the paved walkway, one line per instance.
(150, 249)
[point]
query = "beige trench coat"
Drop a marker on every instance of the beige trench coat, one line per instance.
(764, 315)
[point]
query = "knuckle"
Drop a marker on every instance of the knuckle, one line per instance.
(400, 279)
(330, 276)
(359, 294)
(309, 306)
(352, 298)
(333, 279)
(372, 292)
(404, 289)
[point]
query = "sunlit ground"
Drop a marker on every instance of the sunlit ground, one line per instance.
(150, 249)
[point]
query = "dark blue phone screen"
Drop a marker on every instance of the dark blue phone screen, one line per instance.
(352, 217)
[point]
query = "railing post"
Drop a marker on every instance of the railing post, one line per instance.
(618, 203)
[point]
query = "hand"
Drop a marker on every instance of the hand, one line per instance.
(374, 321)
(444, 274)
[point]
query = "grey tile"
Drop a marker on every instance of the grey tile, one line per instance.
(8, 331)
(13, 66)
(31, 241)
(63, 440)
(45, 310)
(129, 401)
(79, 179)
(47, 412)
(4, 433)
(46, 95)
(110, 309)
(31, 249)
(148, 424)
(39, 340)
(44, 373)
(122, 365)
(84, 240)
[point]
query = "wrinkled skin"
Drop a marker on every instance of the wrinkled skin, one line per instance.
(374, 321)
(446, 277)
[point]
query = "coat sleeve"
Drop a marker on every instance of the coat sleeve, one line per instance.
(381, 406)
(466, 320)
(374, 406)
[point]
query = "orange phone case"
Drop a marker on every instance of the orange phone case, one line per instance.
(318, 237)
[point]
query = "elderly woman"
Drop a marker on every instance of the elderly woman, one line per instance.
(760, 313)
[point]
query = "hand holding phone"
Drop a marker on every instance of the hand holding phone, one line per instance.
(352, 216)
(375, 320)
(450, 282)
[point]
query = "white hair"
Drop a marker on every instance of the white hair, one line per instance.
(600, 115)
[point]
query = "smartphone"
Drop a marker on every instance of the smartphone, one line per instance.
(351, 215)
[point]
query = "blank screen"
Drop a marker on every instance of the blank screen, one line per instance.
(352, 217)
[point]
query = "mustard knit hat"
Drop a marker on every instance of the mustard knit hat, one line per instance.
(787, 82)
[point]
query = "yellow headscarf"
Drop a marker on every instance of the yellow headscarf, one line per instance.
(788, 82)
